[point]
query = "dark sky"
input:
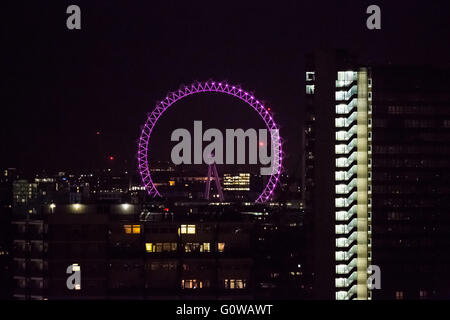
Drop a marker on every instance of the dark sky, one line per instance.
(58, 87)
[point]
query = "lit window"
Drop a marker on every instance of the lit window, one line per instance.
(221, 246)
(161, 247)
(342, 188)
(340, 175)
(341, 162)
(310, 76)
(340, 95)
(197, 247)
(205, 247)
(341, 269)
(341, 109)
(191, 247)
(346, 75)
(341, 135)
(341, 242)
(235, 284)
(136, 228)
(194, 284)
(340, 122)
(341, 215)
(132, 228)
(399, 295)
(341, 295)
(187, 229)
(310, 89)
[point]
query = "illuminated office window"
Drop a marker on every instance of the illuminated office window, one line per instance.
(194, 284)
(197, 247)
(187, 229)
(341, 295)
(127, 228)
(341, 109)
(161, 247)
(310, 89)
(205, 247)
(340, 95)
(221, 246)
(235, 283)
(158, 247)
(310, 76)
(132, 228)
(341, 135)
(191, 247)
(136, 228)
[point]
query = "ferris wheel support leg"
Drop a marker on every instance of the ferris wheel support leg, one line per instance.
(218, 186)
(208, 183)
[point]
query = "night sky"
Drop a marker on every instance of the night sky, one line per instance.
(59, 87)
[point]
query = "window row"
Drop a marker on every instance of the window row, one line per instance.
(188, 247)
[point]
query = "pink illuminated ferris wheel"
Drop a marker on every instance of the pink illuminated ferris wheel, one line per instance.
(205, 87)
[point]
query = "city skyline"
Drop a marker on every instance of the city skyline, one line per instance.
(105, 78)
(225, 151)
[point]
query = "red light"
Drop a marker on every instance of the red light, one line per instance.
(166, 209)
(261, 144)
(268, 109)
(97, 133)
(111, 158)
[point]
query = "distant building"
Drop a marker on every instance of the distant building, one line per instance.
(188, 250)
(7, 176)
(410, 181)
(24, 192)
(377, 157)
(238, 182)
(337, 178)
